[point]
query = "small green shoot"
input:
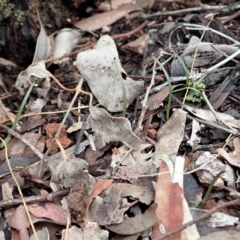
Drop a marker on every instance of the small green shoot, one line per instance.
(201, 205)
(8, 138)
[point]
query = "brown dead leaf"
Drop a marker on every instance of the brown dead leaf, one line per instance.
(19, 221)
(76, 202)
(51, 130)
(155, 100)
(139, 45)
(49, 210)
(169, 200)
(102, 19)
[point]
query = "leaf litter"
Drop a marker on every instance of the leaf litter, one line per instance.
(122, 160)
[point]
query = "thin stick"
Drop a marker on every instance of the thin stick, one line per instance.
(202, 8)
(144, 102)
(34, 199)
(22, 139)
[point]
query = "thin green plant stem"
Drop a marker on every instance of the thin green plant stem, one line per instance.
(170, 92)
(120, 162)
(8, 138)
(210, 189)
(185, 88)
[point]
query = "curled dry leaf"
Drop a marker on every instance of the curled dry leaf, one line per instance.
(102, 70)
(36, 72)
(110, 129)
(43, 46)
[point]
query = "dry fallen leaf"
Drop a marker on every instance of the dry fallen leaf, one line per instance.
(19, 221)
(170, 136)
(43, 46)
(102, 19)
(48, 210)
(110, 129)
(98, 187)
(109, 207)
(136, 224)
(138, 45)
(51, 130)
(72, 172)
(102, 70)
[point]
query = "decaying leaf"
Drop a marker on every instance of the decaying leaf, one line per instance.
(136, 224)
(109, 207)
(90, 231)
(110, 129)
(208, 171)
(72, 172)
(123, 4)
(98, 187)
(35, 73)
(102, 70)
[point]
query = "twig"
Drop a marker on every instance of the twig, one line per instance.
(202, 8)
(144, 102)
(22, 139)
(215, 125)
(34, 199)
(129, 34)
(230, 18)
(200, 218)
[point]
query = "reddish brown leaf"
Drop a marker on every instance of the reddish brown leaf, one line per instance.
(48, 210)
(170, 205)
(19, 221)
